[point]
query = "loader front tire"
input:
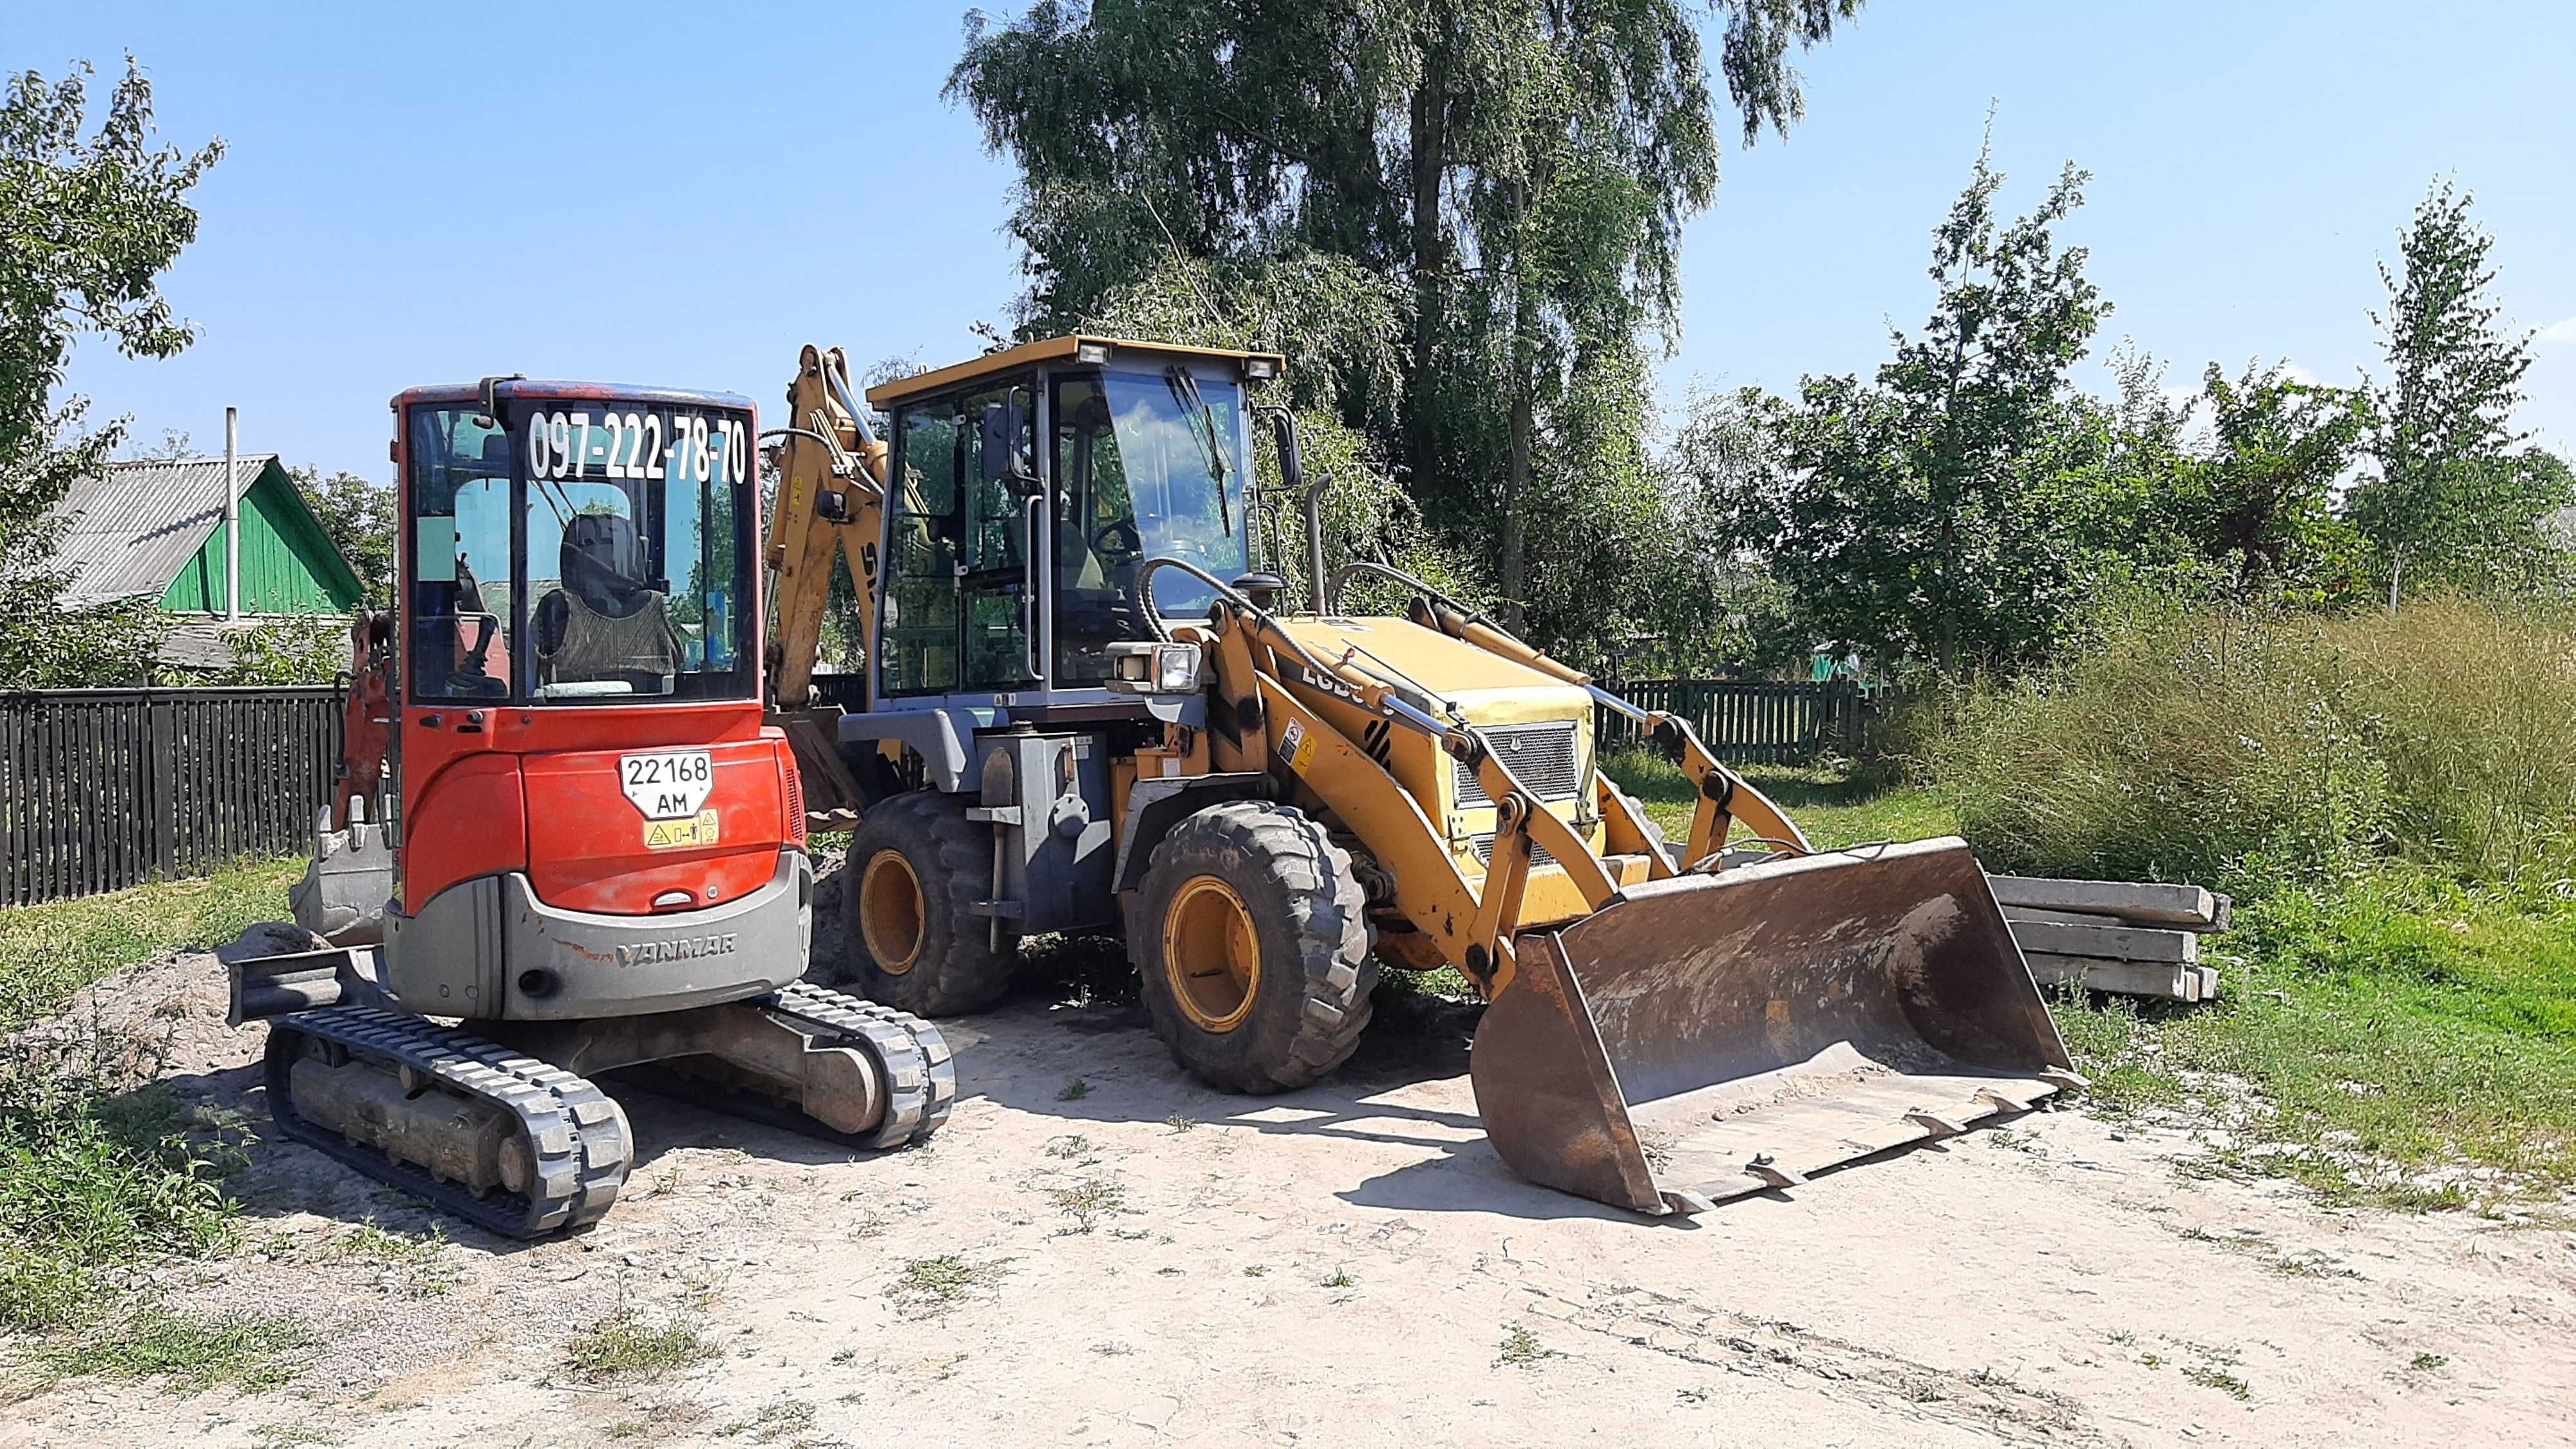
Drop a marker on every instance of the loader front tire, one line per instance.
(1253, 943)
(909, 933)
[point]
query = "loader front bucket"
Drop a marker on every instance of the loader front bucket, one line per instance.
(1709, 1036)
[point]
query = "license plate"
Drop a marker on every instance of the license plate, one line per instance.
(668, 784)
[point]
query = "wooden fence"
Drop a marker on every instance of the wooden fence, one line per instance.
(1756, 721)
(101, 789)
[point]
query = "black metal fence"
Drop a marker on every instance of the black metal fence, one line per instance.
(101, 789)
(1757, 721)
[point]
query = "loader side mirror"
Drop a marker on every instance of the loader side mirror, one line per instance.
(1005, 425)
(1292, 469)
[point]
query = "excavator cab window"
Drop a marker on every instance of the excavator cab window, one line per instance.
(1147, 464)
(589, 551)
(460, 573)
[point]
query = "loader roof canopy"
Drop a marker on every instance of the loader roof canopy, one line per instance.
(1077, 347)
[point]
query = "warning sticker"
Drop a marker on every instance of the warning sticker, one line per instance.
(699, 830)
(1296, 746)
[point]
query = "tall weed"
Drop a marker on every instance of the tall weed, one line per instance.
(2262, 750)
(2181, 746)
(100, 1171)
(2473, 708)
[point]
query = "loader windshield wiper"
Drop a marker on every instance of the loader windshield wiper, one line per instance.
(1205, 432)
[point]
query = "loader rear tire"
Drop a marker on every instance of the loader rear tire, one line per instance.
(909, 933)
(1252, 938)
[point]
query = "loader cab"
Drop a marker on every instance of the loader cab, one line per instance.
(1026, 491)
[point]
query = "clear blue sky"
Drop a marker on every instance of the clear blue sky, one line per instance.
(684, 195)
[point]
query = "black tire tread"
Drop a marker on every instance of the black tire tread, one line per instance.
(958, 971)
(1336, 966)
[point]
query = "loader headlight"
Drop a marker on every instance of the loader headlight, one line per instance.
(1153, 668)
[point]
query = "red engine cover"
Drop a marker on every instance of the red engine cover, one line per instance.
(591, 848)
(497, 789)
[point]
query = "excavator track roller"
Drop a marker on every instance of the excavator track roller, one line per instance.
(502, 1140)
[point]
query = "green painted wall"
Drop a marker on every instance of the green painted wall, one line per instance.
(288, 564)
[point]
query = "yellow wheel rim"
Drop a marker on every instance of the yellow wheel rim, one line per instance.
(892, 918)
(1212, 954)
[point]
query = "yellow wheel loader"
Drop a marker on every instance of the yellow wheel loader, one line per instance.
(1088, 706)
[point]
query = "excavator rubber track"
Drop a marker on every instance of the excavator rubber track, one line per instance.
(919, 1069)
(576, 1133)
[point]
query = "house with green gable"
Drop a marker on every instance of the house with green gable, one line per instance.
(156, 530)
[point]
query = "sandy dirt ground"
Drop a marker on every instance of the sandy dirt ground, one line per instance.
(1150, 1262)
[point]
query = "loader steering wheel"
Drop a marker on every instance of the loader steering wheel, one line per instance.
(1119, 535)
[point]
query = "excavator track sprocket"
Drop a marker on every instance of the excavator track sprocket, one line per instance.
(913, 1056)
(577, 1144)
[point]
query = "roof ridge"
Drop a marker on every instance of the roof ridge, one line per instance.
(194, 460)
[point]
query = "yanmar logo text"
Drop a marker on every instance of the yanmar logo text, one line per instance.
(678, 948)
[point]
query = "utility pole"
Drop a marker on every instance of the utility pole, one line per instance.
(232, 515)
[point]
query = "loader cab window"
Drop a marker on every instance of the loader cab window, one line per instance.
(1147, 464)
(957, 615)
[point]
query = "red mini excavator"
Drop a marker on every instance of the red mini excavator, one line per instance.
(588, 850)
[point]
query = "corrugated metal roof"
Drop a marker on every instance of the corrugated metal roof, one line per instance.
(134, 526)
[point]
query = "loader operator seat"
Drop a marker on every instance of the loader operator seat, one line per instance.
(608, 623)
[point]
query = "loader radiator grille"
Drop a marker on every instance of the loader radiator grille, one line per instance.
(1541, 755)
(1539, 854)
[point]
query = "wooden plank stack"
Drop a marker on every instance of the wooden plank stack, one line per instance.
(2129, 937)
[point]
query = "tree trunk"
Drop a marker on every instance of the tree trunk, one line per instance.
(1429, 139)
(1511, 575)
(1947, 597)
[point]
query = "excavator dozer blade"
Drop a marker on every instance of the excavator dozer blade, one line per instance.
(1710, 1036)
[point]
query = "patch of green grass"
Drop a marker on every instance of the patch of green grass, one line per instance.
(1834, 807)
(419, 1257)
(2209, 1376)
(1073, 1091)
(2425, 1363)
(99, 1169)
(779, 1420)
(94, 1179)
(1520, 1348)
(1089, 1201)
(189, 1353)
(946, 1280)
(49, 951)
(1339, 1279)
(624, 1347)
(2391, 1028)
(294, 1436)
